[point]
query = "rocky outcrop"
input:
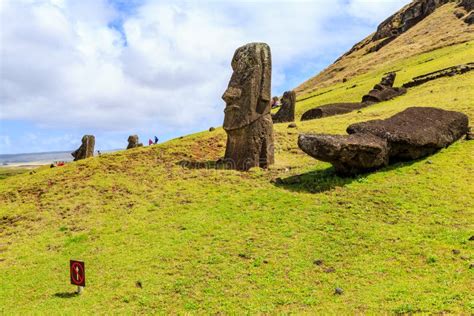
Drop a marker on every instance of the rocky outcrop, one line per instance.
(468, 5)
(247, 121)
(287, 109)
(133, 142)
(411, 134)
(86, 149)
(446, 72)
(382, 91)
(405, 19)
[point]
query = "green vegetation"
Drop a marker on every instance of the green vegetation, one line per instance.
(209, 241)
(6, 172)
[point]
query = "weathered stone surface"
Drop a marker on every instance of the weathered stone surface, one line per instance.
(248, 122)
(417, 131)
(287, 109)
(468, 5)
(133, 142)
(388, 80)
(469, 18)
(413, 133)
(384, 90)
(332, 109)
(469, 134)
(446, 72)
(349, 154)
(406, 18)
(381, 94)
(86, 149)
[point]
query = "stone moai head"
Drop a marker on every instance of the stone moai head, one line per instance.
(389, 79)
(248, 96)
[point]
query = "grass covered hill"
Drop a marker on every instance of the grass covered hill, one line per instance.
(439, 29)
(161, 233)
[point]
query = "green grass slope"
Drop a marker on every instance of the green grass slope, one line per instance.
(221, 241)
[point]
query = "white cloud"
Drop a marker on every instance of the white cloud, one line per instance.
(62, 65)
(375, 11)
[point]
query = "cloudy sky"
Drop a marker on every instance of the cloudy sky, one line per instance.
(150, 67)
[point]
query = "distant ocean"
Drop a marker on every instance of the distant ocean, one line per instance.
(45, 158)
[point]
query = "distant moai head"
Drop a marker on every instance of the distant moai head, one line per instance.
(248, 96)
(86, 149)
(388, 80)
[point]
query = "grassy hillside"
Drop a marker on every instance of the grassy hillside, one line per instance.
(440, 29)
(208, 241)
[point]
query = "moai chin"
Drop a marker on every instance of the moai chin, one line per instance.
(248, 122)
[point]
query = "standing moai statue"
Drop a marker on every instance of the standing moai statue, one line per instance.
(248, 122)
(86, 149)
(287, 109)
(133, 142)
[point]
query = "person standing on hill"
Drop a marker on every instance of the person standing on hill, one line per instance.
(150, 142)
(156, 140)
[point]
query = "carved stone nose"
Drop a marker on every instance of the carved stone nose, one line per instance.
(231, 93)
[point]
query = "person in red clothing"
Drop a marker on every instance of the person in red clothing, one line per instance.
(150, 142)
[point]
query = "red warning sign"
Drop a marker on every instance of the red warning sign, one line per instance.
(78, 273)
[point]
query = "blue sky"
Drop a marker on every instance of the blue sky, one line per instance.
(148, 67)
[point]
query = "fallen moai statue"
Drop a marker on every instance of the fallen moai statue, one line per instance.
(382, 91)
(286, 113)
(411, 134)
(331, 110)
(133, 142)
(248, 121)
(86, 149)
(446, 72)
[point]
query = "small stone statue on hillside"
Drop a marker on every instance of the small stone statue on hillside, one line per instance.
(287, 109)
(133, 142)
(86, 149)
(384, 90)
(248, 122)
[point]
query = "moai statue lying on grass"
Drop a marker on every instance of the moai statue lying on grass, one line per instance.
(133, 142)
(411, 134)
(287, 109)
(248, 122)
(86, 149)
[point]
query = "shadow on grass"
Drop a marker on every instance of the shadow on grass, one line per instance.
(66, 294)
(324, 180)
(314, 181)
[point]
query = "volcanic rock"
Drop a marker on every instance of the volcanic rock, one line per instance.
(413, 133)
(349, 154)
(247, 121)
(331, 109)
(416, 131)
(287, 109)
(86, 149)
(384, 91)
(133, 142)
